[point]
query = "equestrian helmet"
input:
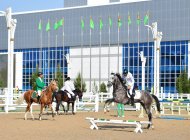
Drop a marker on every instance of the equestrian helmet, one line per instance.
(125, 71)
(68, 78)
(40, 73)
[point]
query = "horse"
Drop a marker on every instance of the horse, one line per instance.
(45, 99)
(63, 96)
(120, 96)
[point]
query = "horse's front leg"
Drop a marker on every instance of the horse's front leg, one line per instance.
(107, 104)
(41, 111)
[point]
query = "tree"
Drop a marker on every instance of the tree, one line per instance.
(103, 87)
(59, 77)
(77, 83)
(183, 83)
(33, 78)
(1, 83)
(94, 87)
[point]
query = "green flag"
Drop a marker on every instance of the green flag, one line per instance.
(82, 24)
(110, 21)
(91, 23)
(101, 24)
(48, 26)
(119, 22)
(146, 18)
(138, 19)
(40, 26)
(56, 25)
(60, 22)
(129, 20)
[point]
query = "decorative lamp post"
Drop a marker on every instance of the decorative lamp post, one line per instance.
(11, 27)
(157, 36)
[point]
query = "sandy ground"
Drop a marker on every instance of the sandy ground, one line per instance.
(75, 127)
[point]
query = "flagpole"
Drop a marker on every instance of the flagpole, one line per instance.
(81, 56)
(48, 55)
(128, 48)
(148, 56)
(55, 56)
(118, 49)
(109, 58)
(63, 50)
(40, 52)
(100, 58)
(138, 57)
(90, 62)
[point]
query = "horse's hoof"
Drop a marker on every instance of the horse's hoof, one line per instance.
(152, 127)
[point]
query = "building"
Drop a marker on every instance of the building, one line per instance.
(97, 52)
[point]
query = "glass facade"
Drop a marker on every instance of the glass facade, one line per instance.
(173, 60)
(33, 58)
(172, 16)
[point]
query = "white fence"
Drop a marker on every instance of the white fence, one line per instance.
(90, 101)
(173, 96)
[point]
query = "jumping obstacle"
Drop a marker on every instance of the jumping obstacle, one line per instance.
(137, 124)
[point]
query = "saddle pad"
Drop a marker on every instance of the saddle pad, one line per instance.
(34, 94)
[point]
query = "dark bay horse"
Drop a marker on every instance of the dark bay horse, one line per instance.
(120, 96)
(45, 99)
(62, 96)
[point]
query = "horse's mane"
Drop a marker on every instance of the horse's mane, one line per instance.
(121, 80)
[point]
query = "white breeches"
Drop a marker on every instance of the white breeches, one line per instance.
(39, 92)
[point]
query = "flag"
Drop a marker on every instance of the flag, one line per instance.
(40, 26)
(138, 19)
(146, 18)
(56, 25)
(91, 23)
(129, 20)
(48, 26)
(110, 21)
(119, 22)
(82, 24)
(60, 22)
(101, 24)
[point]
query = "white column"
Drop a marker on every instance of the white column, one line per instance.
(11, 26)
(159, 38)
(154, 31)
(189, 59)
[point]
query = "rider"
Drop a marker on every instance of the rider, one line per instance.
(39, 84)
(69, 87)
(129, 81)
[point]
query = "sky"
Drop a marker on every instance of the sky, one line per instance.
(30, 5)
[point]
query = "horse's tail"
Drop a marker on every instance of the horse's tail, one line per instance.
(157, 102)
(20, 100)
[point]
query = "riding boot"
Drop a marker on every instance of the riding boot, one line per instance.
(132, 100)
(38, 98)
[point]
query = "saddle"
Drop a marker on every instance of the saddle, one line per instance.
(34, 95)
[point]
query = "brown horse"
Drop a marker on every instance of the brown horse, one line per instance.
(45, 99)
(62, 96)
